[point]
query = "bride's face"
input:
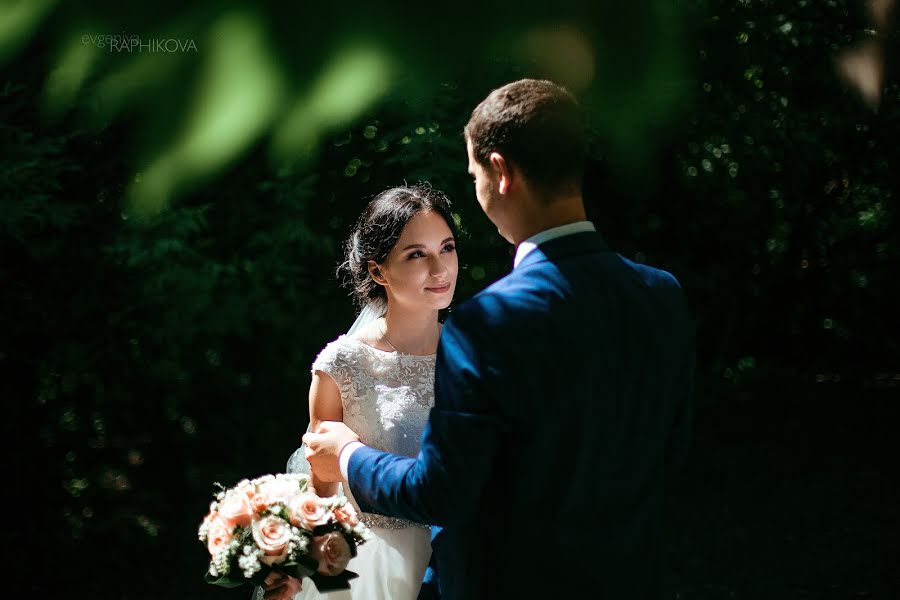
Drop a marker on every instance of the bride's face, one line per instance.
(422, 267)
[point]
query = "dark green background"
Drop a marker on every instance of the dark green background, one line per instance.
(156, 342)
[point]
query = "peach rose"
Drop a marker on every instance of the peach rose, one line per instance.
(235, 509)
(212, 514)
(272, 535)
(332, 551)
(346, 515)
(308, 511)
(258, 503)
(246, 487)
(218, 534)
(279, 491)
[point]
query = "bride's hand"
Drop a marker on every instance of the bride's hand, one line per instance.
(280, 587)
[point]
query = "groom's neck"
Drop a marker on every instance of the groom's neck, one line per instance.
(540, 215)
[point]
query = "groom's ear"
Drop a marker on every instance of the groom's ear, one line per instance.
(375, 273)
(503, 170)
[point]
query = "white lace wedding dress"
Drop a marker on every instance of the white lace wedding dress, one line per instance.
(386, 397)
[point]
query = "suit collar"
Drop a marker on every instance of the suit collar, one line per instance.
(545, 236)
(587, 242)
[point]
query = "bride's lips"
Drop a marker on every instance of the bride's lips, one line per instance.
(439, 290)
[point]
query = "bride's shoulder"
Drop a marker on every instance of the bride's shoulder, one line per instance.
(337, 353)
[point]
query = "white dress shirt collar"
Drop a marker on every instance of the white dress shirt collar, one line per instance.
(550, 234)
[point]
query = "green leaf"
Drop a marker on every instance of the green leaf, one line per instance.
(332, 583)
(224, 581)
(300, 568)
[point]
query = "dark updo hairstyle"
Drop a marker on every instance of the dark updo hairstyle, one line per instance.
(377, 231)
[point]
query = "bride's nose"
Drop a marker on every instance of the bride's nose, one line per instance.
(437, 268)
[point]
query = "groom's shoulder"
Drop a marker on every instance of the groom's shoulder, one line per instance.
(495, 305)
(651, 276)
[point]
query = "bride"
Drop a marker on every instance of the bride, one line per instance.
(379, 378)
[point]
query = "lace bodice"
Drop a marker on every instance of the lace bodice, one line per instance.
(386, 396)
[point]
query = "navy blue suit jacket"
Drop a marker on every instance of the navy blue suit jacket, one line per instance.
(562, 397)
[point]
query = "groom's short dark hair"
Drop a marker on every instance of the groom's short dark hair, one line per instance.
(535, 124)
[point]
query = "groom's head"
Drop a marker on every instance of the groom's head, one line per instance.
(525, 140)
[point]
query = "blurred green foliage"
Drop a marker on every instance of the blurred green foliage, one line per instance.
(170, 221)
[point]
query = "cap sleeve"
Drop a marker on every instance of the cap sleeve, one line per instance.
(337, 361)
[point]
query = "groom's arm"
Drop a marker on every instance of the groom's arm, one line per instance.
(680, 435)
(443, 485)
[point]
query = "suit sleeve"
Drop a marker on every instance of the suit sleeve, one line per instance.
(444, 483)
(680, 435)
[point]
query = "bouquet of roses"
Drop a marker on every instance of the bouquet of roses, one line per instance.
(273, 523)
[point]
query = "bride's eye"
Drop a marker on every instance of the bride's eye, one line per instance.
(416, 254)
(449, 247)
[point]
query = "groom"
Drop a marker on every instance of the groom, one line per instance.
(562, 391)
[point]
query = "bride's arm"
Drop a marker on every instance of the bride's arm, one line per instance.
(324, 405)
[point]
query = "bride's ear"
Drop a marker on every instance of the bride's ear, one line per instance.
(375, 273)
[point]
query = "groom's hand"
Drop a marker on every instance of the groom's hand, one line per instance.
(323, 449)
